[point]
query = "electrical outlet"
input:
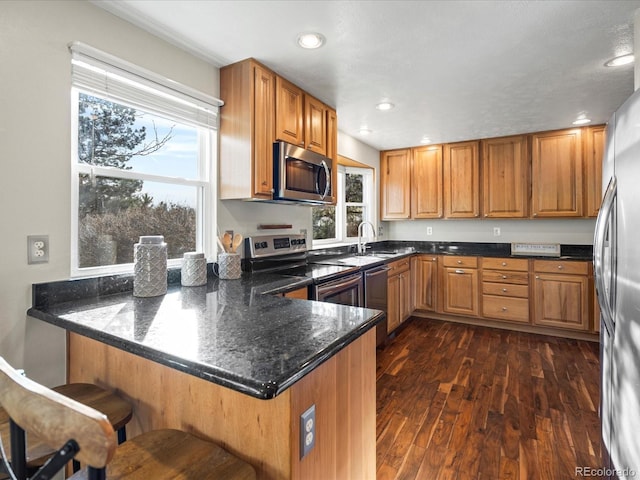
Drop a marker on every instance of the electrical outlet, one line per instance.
(429, 230)
(230, 232)
(496, 231)
(307, 431)
(37, 249)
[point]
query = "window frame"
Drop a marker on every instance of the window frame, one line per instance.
(205, 183)
(368, 204)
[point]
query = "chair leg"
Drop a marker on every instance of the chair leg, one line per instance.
(97, 473)
(122, 435)
(18, 451)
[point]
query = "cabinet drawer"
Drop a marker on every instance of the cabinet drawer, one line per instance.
(398, 266)
(518, 278)
(506, 308)
(455, 261)
(517, 264)
(505, 290)
(559, 266)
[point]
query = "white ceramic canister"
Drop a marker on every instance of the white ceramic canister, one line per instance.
(150, 266)
(194, 269)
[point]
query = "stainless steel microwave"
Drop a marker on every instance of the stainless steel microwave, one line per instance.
(301, 176)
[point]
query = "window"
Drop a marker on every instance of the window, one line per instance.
(142, 164)
(339, 224)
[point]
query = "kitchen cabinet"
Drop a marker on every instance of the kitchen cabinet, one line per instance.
(462, 180)
(289, 112)
(247, 131)
(332, 145)
(425, 274)
(398, 293)
(595, 138)
(395, 184)
(505, 289)
(561, 294)
(460, 285)
(427, 182)
(315, 125)
(556, 166)
(505, 174)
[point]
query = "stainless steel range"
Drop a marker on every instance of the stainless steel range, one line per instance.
(287, 255)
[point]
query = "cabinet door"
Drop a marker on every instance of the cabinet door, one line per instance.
(426, 275)
(263, 107)
(505, 173)
(393, 302)
(405, 296)
(460, 291)
(561, 301)
(315, 125)
(461, 180)
(594, 153)
(395, 184)
(332, 146)
(556, 164)
(289, 112)
(426, 188)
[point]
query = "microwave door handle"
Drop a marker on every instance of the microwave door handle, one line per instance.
(608, 204)
(327, 175)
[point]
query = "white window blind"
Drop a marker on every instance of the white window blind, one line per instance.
(110, 77)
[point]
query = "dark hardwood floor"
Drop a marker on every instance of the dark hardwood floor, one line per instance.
(460, 402)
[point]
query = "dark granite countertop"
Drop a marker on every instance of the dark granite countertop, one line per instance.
(229, 332)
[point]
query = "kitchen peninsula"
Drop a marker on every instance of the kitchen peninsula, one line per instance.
(231, 361)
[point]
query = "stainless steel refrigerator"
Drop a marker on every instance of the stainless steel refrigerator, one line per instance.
(617, 272)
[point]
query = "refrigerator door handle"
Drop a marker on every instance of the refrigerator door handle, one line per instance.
(606, 210)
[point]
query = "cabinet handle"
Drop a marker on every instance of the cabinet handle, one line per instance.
(537, 276)
(560, 267)
(459, 271)
(504, 309)
(504, 264)
(459, 262)
(504, 277)
(504, 290)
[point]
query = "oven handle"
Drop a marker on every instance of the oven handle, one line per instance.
(350, 281)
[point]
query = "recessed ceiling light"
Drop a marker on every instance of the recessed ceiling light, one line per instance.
(311, 40)
(582, 120)
(385, 106)
(620, 60)
(425, 140)
(364, 131)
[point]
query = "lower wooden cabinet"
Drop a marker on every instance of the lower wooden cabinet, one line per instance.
(505, 289)
(424, 271)
(399, 304)
(460, 286)
(561, 294)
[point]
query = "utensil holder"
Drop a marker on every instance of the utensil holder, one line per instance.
(229, 266)
(194, 270)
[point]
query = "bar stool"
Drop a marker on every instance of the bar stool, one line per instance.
(85, 434)
(118, 411)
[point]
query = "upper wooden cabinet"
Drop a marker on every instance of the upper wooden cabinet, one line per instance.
(427, 182)
(594, 153)
(505, 173)
(289, 112)
(247, 131)
(462, 180)
(261, 107)
(556, 166)
(395, 184)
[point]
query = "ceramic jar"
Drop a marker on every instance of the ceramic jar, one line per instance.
(150, 266)
(229, 266)
(194, 269)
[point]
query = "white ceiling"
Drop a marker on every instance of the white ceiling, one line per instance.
(455, 70)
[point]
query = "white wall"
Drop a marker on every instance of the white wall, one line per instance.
(35, 160)
(579, 232)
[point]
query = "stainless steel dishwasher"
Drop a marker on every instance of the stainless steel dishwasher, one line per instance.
(375, 296)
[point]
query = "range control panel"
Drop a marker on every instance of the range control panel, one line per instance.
(271, 245)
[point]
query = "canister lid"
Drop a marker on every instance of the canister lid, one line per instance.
(193, 255)
(152, 239)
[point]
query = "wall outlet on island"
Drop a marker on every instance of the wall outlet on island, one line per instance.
(307, 431)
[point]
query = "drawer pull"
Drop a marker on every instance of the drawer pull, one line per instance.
(504, 264)
(459, 262)
(560, 267)
(504, 290)
(459, 271)
(504, 277)
(504, 309)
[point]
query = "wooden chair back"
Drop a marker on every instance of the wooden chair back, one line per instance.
(56, 419)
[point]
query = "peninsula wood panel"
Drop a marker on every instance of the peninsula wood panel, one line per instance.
(556, 164)
(462, 180)
(395, 184)
(505, 173)
(262, 432)
(427, 182)
(247, 131)
(594, 154)
(289, 112)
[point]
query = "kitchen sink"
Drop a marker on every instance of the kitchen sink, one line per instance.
(359, 260)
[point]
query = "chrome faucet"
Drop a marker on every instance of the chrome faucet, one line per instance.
(362, 246)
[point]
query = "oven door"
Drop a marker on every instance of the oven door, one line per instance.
(344, 291)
